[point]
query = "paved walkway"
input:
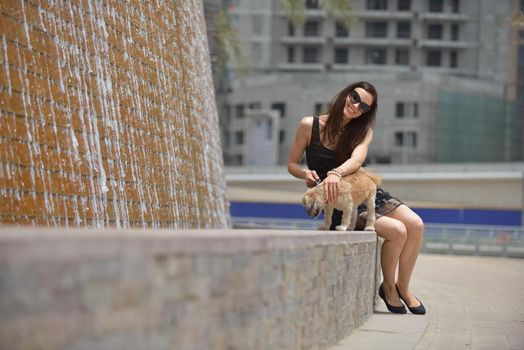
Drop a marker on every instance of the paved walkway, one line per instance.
(472, 303)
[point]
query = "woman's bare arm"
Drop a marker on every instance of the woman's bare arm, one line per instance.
(301, 141)
(358, 156)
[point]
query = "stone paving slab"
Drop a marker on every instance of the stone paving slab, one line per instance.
(472, 302)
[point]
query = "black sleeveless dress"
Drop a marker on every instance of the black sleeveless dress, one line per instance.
(322, 159)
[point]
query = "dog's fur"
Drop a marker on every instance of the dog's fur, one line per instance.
(355, 189)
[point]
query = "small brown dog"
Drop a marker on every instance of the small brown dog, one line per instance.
(355, 189)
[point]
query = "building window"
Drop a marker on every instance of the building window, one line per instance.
(404, 5)
(436, 5)
(399, 138)
(411, 139)
(375, 29)
(520, 59)
(341, 55)
(269, 129)
(290, 29)
(406, 139)
(318, 108)
(257, 24)
(435, 31)
(376, 56)
(433, 58)
(280, 107)
(383, 159)
(312, 4)
(227, 113)
(341, 30)
(239, 138)
(455, 32)
(453, 59)
(239, 111)
(406, 110)
(256, 52)
(310, 54)
(455, 6)
(237, 159)
(402, 56)
(226, 139)
(291, 54)
(403, 30)
(311, 28)
(281, 136)
(254, 105)
(377, 4)
(399, 110)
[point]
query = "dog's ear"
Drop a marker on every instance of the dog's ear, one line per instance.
(307, 199)
(304, 200)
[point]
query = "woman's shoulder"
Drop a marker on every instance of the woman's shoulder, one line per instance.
(304, 127)
(307, 119)
(369, 134)
(306, 122)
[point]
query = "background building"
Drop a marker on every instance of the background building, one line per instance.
(446, 71)
(253, 139)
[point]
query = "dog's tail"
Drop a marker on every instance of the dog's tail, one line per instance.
(377, 179)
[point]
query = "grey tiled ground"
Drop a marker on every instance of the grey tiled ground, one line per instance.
(472, 302)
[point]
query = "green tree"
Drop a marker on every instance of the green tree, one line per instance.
(231, 50)
(231, 47)
(519, 21)
(295, 10)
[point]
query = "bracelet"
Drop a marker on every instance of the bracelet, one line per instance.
(335, 172)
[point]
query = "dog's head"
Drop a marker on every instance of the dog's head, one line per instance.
(314, 201)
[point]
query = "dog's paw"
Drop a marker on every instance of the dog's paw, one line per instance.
(341, 228)
(323, 227)
(369, 228)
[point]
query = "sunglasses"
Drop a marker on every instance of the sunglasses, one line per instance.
(354, 97)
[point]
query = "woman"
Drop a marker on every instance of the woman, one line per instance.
(336, 144)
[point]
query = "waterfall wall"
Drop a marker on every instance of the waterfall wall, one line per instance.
(108, 116)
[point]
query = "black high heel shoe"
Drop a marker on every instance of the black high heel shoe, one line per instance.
(418, 310)
(391, 308)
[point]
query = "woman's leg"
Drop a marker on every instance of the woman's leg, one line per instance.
(395, 234)
(410, 251)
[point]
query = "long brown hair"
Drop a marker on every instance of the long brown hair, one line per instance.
(354, 131)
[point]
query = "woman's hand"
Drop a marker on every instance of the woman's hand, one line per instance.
(332, 187)
(311, 178)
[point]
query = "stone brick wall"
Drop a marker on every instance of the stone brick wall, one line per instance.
(108, 116)
(239, 289)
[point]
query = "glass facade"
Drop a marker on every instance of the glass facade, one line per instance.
(474, 128)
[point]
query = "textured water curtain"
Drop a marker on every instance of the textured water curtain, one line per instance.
(107, 115)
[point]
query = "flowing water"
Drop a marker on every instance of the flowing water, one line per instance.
(107, 115)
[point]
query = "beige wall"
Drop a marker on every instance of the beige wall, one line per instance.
(483, 186)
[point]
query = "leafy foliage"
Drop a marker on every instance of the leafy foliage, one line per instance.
(230, 46)
(295, 10)
(519, 21)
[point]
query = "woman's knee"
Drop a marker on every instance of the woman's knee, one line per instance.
(399, 232)
(415, 226)
(392, 230)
